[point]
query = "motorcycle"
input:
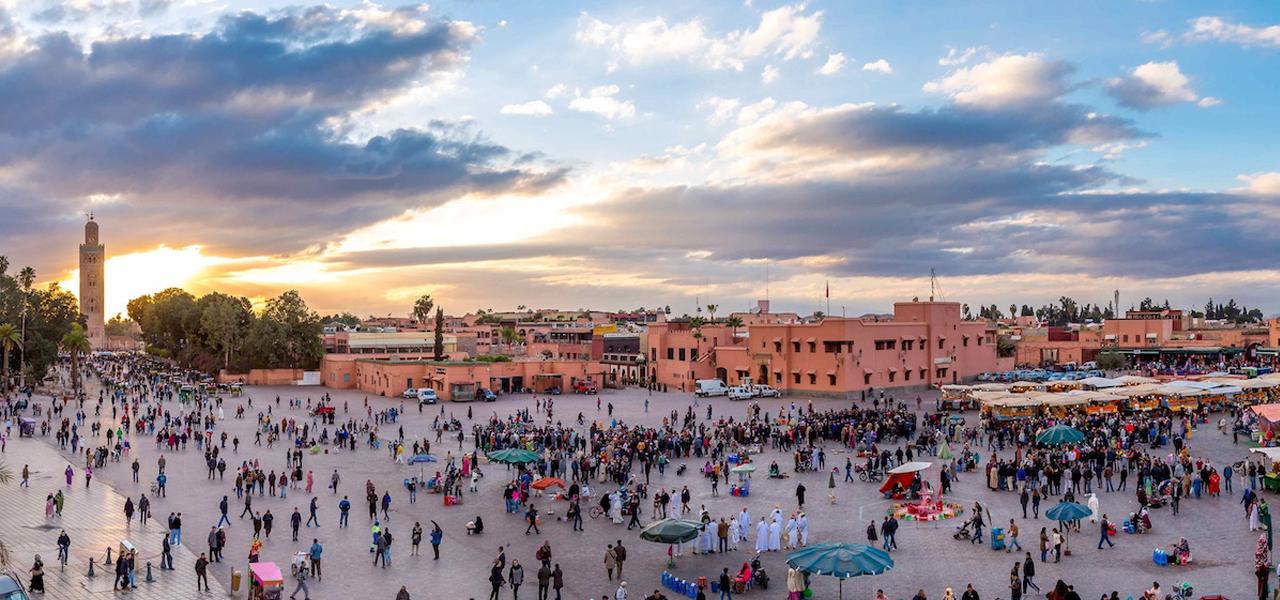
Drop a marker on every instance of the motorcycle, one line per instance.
(759, 577)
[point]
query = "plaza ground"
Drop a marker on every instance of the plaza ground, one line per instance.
(928, 558)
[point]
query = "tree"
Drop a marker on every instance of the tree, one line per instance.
(422, 308)
(295, 329)
(508, 335)
(4, 264)
(224, 324)
(711, 309)
(1013, 311)
(1111, 361)
(439, 346)
(819, 315)
(696, 323)
(76, 342)
(735, 322)
(1147, 304)
(964, 311)
(347, 319)
(26, 277)
(10, 337)
(667, 309)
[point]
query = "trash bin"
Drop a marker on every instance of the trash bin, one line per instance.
(235, 580)
(997, 538)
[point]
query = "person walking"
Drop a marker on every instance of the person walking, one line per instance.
(313, 554)
(1013, 537)
(403, 594)
(1044, 545)
(144, 510)
(497, 580)
(544, 581)
(344, 508)
(620, 553)
(726, 585)
(610, 561)
(1029, 574)
(531, 516)
(436, 536)
(415, 539)
(202, 572)
(295, 522)
(315, 505)
(1106, 533)
(557, 580)
(302, 585)
(222, 506)
(516, 577)
(166, 553)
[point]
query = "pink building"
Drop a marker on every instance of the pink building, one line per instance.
(923, 344)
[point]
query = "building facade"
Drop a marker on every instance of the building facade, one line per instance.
(93, 256)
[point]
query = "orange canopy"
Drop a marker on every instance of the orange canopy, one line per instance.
(547, 482)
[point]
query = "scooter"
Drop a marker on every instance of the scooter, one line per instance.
(758, 577)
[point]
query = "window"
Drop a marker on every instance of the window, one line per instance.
(796, 377)
(813, 347)
(886, 344)
(965, 342)
(795, 346)
(777, 347)
(906, 375)
(891, 376)
(654, 352)
(831, 379)
(942, 373)
(980, 338)
(346, 378)
(671, 353)
(866, 379)
(777, 377)
(813, 379)
(1126, 337)
(693, 354)
(923, 373)
(907, 344)
(682, 354)
(408, 382)
(940, 340)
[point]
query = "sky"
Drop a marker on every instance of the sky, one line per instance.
(614, 155)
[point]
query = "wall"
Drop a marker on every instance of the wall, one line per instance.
(262, 376)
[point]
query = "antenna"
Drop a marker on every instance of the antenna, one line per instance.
(935, 289)
(766, 279)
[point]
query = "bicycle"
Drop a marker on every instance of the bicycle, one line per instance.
(595, 512)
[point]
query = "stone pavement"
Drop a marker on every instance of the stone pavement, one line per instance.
(94, 519)
(928, 557)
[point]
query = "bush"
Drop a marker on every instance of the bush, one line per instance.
(1111, 361)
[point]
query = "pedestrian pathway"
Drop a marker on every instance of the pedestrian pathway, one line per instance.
(94, 519)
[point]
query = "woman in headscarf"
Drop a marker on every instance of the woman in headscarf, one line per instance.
(37, 576)
(948, 595)
(1262, 565)
(1059, 591)
(48, 507)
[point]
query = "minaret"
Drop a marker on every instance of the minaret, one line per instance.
(92, 259)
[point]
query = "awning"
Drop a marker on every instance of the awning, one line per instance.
(812, 372)
(777, 340)
(1272, 453)
(867, 371)
(831, 372)
(811, 340)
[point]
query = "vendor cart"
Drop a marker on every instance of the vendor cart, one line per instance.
(265, 581)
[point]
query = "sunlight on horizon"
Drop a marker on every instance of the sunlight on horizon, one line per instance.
(131, 275)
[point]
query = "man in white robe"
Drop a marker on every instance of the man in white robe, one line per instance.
(762, 536)
(793, 537)
(775, 535)
(1093, 506)
(802, 523)
(776, 515)
(744, 523)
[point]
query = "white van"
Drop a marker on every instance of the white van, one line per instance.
(426, 396)
(709, 387)
(766, 391)
(740, 392)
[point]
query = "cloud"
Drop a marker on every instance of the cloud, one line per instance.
(1010, 80)
(881, 65)
(556, 91)
(955, 57)
(769, 75)
(1264, 184)
(1154, 85)
(1205, 29)
(243, 128)
(1208, 101)
(59, 11)
(787, 32)
(834, 63)
(601, 101)
(536, 108)
(151, 8)
(722, 109)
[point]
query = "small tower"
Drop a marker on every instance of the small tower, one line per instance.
(92, 285)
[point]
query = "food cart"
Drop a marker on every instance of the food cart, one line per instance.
(26, 427)
(236, 389)
(265, 581)
(186, 393)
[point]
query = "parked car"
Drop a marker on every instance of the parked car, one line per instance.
(486, 395)
(554, 390)
(740, 392)
(583, 386)
(988, 376)
(709, 387)
(409, 393)
(427, 396)
(765, 391)
(10, 588)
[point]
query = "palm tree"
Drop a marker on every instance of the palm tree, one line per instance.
(711, 308)
(9, 337)
(696, 323)
(508, 335)
(76, 343)
(4, 264)
(422, 308)
(735, 322)
(26, 277)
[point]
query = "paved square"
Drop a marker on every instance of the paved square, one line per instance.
(928, 558)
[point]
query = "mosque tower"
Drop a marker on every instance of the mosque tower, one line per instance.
(92, 259)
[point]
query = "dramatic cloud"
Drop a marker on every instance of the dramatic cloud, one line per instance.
(785, 32)
(1006, 81)
(240, 129)
(1154, 85)
(601, 101)
(881, 65)
(536, 108)
(834, 63)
